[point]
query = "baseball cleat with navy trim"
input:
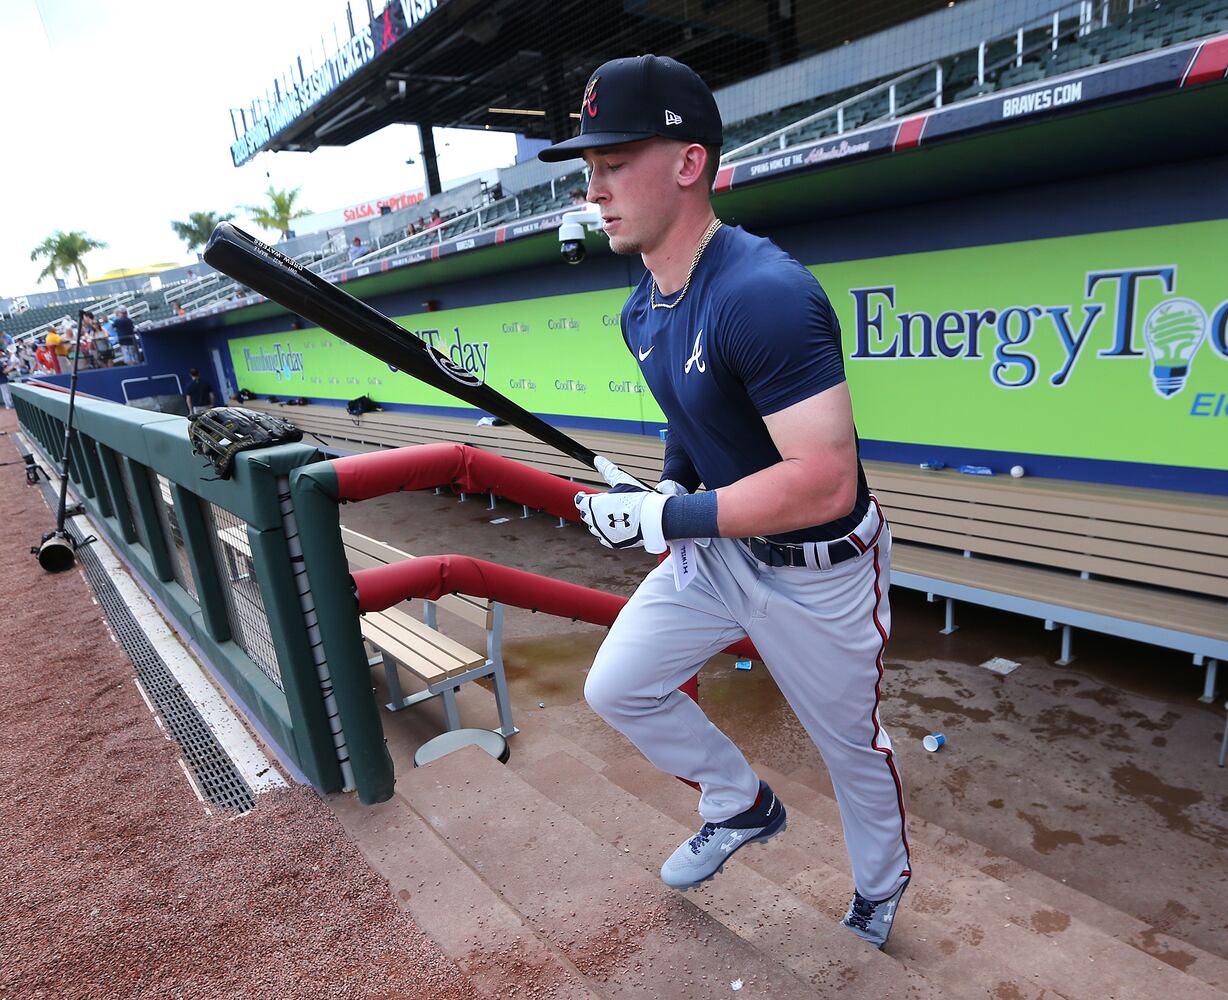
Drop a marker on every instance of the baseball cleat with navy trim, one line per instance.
(705, 854)
(872, 920)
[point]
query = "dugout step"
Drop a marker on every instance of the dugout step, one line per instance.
(472, 925)
(809, 861)
(759, 911)
(1044, 947)
(627, 932)
(1210, 968)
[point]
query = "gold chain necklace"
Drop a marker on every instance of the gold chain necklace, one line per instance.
(699, 252)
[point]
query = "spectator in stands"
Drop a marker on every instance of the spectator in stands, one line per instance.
(199, 393)
(357, 249)
(410, 230)
(436, 219)
(578, 197)
(44, 357)
(7, 368)
(125, 334)
(51, 351)
(104, 351)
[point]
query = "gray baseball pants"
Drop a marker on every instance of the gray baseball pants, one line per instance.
(821, 632)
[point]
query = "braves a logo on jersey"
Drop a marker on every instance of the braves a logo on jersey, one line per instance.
(696, 360)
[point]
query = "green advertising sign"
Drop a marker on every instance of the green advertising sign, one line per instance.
(1108, 346)
(558, 355)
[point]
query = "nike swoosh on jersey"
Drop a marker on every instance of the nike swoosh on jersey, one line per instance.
(643, 355)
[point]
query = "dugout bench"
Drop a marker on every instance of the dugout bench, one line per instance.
(1148, 565)
(401, 642)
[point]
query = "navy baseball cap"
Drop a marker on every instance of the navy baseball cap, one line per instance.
(627, 100)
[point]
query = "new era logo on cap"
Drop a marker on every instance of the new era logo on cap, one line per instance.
(671, 118)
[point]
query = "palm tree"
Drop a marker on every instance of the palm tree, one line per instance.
(199, 227)
(279, 212)
(64, 252)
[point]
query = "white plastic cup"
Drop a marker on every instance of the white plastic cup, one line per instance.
(933, 741)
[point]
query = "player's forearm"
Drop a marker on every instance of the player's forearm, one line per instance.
(788, 496)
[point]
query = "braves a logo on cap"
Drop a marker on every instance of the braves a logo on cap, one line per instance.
(590, 98)
(671, 118)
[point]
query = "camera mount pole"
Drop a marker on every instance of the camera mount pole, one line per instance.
(56, 552)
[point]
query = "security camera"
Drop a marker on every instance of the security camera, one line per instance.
(571, 232)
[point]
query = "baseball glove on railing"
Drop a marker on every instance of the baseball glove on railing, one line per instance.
(221, 432)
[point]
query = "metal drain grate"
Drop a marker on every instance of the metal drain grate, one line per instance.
(216, 777)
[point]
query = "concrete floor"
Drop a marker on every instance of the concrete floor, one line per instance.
(1101, 774)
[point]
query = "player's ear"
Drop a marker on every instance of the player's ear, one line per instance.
(692, 165)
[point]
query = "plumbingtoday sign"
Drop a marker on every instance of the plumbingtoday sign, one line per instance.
(1109, 346)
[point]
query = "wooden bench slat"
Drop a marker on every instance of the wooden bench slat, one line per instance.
(1202, 617)
(397, 647)
(1159, 576)
(464, 657)
(1052, 546)
(1099, 527)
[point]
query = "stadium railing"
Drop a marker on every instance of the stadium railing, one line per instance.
(223, 558)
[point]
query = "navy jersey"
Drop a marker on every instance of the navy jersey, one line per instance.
(753, 335)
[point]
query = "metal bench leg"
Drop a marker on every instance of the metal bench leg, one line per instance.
(492, 502)
(1208, 683)
(393, 680)
(950, 625)
(1066, 657)
(451, 714)
(503, 700)
(526, 514)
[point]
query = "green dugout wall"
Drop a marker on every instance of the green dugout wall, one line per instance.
(1109, 347)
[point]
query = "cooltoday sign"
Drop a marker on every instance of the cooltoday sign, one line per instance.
(560, 355)
(1111, 346)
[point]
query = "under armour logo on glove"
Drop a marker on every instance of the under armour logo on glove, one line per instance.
(631, 510)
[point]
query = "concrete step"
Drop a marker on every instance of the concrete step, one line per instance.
(772, 919)
(1063, 901)
(487, 938)
(810, 862)
(936, 949)
(1055, 950)
(1210, 968)
(627, 933)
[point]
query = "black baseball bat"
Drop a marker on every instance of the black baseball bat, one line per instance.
(275, 276)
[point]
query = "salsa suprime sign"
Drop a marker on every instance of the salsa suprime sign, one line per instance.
(1112, 346)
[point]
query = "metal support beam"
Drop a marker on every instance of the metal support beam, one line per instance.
(1208, 683)
(950, 625)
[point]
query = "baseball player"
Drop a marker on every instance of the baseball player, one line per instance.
(741, 349)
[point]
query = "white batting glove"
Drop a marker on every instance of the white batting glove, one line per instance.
(624, 519)
(615, 476)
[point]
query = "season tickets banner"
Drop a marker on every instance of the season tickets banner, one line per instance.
(1111, 346)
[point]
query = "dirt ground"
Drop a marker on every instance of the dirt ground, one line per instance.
(113, 880)
(1102, 774)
